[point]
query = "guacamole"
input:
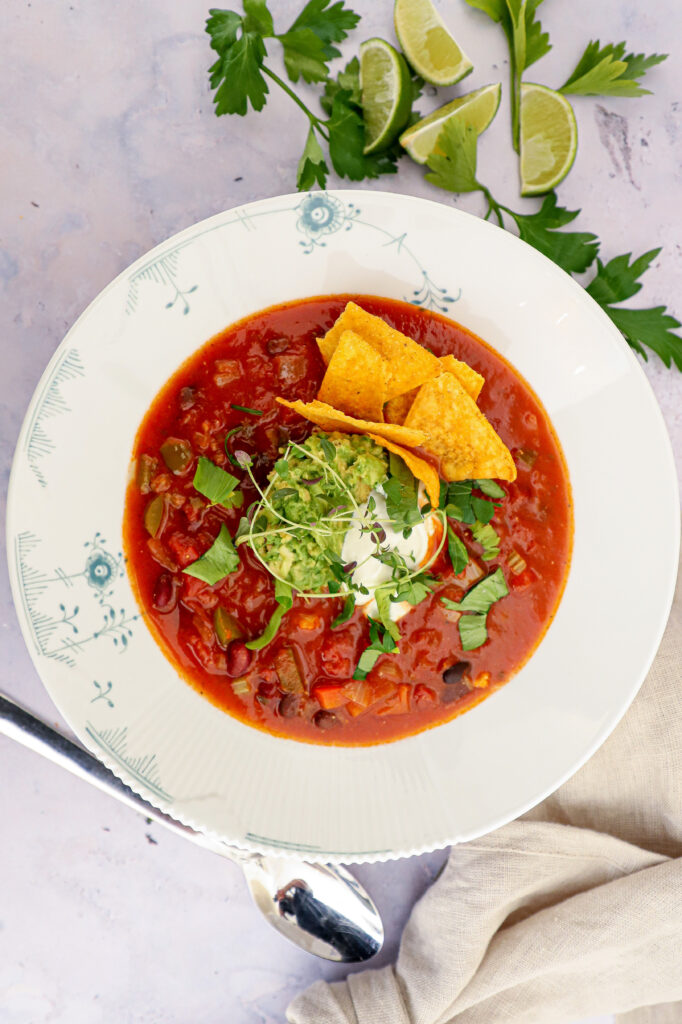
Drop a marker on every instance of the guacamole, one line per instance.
(311, 487)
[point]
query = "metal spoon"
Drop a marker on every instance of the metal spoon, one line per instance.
(319, 907)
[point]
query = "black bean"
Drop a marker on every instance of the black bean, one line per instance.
(325, 719)
(454, 673)
(290, 705)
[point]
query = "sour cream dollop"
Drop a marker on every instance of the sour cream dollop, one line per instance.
(360, 547)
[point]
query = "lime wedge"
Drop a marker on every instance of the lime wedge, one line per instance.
(386, 93)
(427, 44)
(476, 109)
(549, 139)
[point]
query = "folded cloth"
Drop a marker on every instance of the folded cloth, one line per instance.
(574, 909)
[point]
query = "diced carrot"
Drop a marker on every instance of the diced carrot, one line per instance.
(330, 695)
(355, 709)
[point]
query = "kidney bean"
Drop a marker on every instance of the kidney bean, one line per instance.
(165, 593)
(238, 658)
(267, 690)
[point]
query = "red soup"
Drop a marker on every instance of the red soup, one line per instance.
(431, 679)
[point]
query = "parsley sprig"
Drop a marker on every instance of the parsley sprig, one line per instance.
(601, 71)
(454, 167)
(240, 78)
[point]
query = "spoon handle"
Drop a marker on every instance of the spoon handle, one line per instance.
(19, 724)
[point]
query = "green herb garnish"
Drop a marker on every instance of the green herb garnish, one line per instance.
(219, 561)
(381, 642)
(479, 599)
(401, 490)
(454, 168)
(459, 556)
(240, 77)
(285, 599)
(486, 535)
(346, 612)
(245, 408)
(609, 71)
(217, 485)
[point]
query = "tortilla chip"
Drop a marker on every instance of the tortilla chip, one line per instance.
(417, 466)
(471, 381)
(331, 419)
(396, 410)
(355, 381)
(326, 347)
(409, 365)
(459, 435)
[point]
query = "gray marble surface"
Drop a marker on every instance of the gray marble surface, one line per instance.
(109, 145)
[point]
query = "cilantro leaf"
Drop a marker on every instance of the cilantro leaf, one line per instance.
(479, 599)
(486, 535)
(347, 142)
(453, 165)
(573, 251)
(307, 44)
(237, 74)
(617, 281)
(346, 612)
(382, 596)
(285, 599)
(312, 167)
(485, 593)
(381, 642)
(401, 490)
(473, 631)
(414, 590)
(491, 489)
(222, 27)
(219, 561)
(608, 71)
(458, 504)
(257, 17)
(304, 55)
(330, 24)
(348, 80)
(216, 485)
(537, 41)
(459, 556)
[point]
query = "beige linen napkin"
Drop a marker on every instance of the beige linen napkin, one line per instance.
(574, 909)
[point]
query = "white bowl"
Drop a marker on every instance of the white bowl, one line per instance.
(111, 681)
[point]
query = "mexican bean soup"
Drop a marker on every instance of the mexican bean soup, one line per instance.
(349, 519)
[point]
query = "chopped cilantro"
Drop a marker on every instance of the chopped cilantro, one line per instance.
(219, 561)
(459, 556)
(486, 535)
(381, 642)
(217, 485)
(285, 599)
(401, 490)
